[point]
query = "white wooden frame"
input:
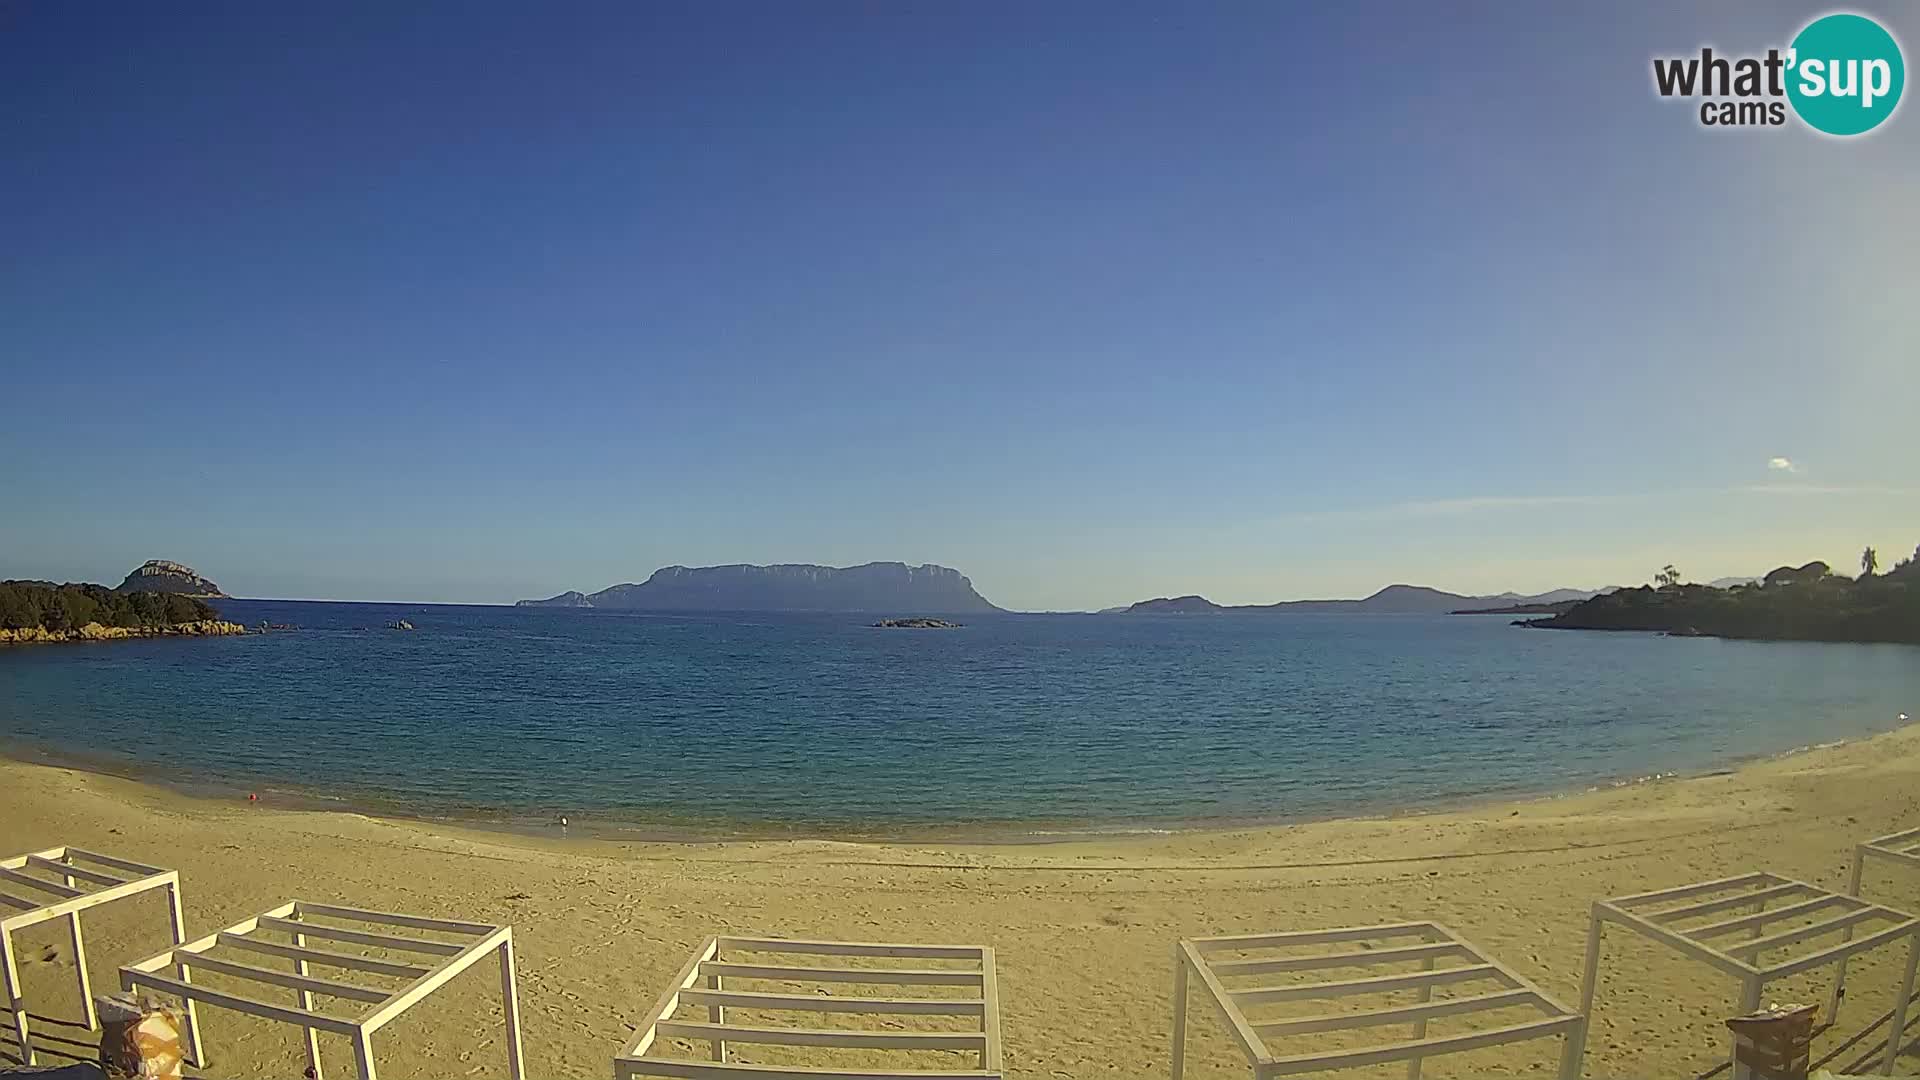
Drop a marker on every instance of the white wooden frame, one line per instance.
(701, 982)
(1382, 945)
(447, 959)
(1900, 847)
(79, 871)
(1647, 914)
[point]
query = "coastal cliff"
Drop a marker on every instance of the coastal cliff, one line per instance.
(880, 586)
(166, 576)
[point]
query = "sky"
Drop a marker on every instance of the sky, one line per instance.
(472, 302)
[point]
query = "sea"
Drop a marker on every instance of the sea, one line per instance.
(745, 724)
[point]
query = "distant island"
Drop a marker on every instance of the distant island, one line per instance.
(1522, 609)
(916, 624)
(1392, 600)
(1803, 603)
(151, 604)
(879, 586)
(165, 576)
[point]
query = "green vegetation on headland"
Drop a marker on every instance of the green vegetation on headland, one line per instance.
(40, 611)
(1806, 603)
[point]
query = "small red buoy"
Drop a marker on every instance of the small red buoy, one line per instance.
(253, 797)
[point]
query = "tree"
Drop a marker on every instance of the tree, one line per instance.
(1869, 562)
(1667, 576)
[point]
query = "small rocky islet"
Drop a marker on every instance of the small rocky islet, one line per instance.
(917, 624)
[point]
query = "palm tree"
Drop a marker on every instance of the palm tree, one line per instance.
(1869, 562)
(1667, 576)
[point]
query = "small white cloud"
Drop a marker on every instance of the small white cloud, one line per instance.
(1781, 464)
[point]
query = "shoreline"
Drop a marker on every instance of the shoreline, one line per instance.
(94, 632)
(601, 925)
(582, 827)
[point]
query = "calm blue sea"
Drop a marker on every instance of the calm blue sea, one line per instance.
(820, 722)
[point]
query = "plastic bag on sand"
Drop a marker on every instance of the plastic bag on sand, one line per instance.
(139, 1038)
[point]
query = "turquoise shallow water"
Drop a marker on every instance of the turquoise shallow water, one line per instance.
(821, 722)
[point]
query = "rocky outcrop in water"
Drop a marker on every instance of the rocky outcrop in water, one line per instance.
(916, 624)
(881, 586)
(162, 575)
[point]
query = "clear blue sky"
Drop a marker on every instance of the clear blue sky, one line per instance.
(474, 302)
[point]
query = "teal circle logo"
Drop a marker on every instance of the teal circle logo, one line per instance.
(1845, 74)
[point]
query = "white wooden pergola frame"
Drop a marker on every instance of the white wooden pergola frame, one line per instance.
(1902, 848)
(79, 870)
(1646, 914)
(449, 959)
(707, 967)
(1377, 945)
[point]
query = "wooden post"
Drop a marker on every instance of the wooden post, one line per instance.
(1179, 1011)
(16, 1001)
(363, 1053)
(1576, 1045)
(1574, 1050)
(1420, 1025)
(306, 1003)
(1589, 981)
(195, 1053)
(1846, 935)
(510, 1001)
(1749, 1004)
(1900, 1007)
(992, 1055)
(80, 960)
(717, 1014)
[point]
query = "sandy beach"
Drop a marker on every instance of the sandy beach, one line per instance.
(1083, 930)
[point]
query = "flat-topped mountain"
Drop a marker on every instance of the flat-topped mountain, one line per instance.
(879, 586)
(163, 575)
(1392, 600)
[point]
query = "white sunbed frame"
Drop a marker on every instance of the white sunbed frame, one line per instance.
(1193, 957)
(1645, 914)
(118, 878)
(709, 969)
(449, 960)
(1900, 847)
